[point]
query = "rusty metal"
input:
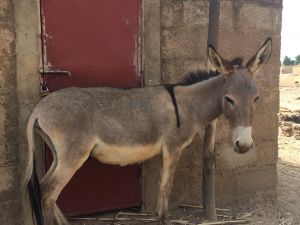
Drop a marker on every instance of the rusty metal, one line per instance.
(56, 72)
(44, 90)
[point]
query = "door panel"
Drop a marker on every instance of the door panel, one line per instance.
(97, 41)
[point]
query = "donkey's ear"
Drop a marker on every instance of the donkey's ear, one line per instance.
(220, 64)
(261, 57)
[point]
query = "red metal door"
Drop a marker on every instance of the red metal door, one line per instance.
(97, 41)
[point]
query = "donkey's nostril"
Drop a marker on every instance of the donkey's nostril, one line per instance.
(237, 144)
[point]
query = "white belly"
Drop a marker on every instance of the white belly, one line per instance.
(124, 155)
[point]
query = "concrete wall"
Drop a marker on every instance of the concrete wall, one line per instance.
(19, 91)
(286, 69)
(27, 29)
(242, 27)
(290, 70)
(10, 199)
(296, 70)
(175, 36)
(184, 37)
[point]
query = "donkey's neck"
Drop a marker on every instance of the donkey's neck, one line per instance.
(203, 100)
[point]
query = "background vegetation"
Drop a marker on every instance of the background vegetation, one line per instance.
(287, 61)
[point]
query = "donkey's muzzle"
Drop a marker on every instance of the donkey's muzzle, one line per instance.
(242, 147)
(242, 140)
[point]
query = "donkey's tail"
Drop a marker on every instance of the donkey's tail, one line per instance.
(31, 178)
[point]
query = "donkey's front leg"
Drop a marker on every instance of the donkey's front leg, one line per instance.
(170, 160)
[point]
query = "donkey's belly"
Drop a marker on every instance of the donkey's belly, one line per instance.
(124, 155)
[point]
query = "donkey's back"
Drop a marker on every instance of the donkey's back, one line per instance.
(112, 120)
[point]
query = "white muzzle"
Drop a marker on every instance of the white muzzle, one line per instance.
(242, 140)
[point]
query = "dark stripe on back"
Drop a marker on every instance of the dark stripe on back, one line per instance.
(170, 89)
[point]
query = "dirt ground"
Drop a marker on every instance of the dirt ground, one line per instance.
(289, 151)
(266, 209)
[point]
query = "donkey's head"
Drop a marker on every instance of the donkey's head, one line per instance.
(240, 93)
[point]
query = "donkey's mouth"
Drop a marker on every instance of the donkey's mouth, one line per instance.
(242, 149)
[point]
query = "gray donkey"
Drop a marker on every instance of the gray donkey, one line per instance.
(126, 126)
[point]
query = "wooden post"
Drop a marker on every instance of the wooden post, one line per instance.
(208, 185)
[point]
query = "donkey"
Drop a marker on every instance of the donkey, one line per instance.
(126, 126)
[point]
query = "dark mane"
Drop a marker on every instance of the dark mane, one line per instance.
(238, 61)
(198, 76)
(201, 75)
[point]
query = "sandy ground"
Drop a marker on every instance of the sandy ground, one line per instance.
(283, 209)
(289, 152)
(289, 92)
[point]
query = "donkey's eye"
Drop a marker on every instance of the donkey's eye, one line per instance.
(256, 98)
(229, 100)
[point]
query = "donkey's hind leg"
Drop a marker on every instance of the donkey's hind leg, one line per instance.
(59, 216)
(170, 160)
(53, 183)
(49, 143)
